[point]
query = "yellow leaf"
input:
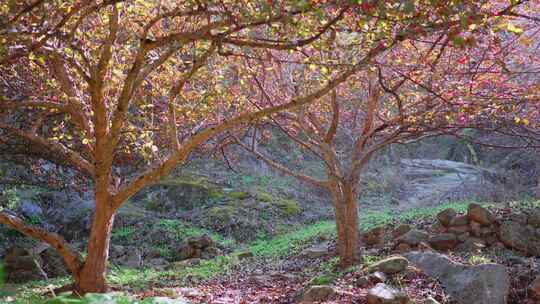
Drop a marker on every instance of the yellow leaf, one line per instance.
(512, 28)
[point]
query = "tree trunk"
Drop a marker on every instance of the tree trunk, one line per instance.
(346, 210)
(92, 275)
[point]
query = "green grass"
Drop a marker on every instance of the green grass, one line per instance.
(109, 298)
(123, 232)
(292, 242)
(428, 212)
(369, 219)
(2, 274)
(182, 231)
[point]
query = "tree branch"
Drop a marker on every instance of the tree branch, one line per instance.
(71, 257)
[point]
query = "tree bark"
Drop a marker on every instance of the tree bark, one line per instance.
(346, 210)
(92, 275)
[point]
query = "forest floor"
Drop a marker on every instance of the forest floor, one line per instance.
(275, 223)
(279, 270)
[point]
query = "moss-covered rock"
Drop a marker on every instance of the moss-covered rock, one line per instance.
(239, 195)
(182, 193)
(289, 207)
(262, 196)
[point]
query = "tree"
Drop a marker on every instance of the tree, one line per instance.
(442, 84)
(95, 85)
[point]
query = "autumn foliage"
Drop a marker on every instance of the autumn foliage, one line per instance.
(108, 86)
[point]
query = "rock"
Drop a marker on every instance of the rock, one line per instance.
(520, 237)
(446, 216)
(423, 246)
(210, 252)
(191, 292)
(486, 232)
(480, 214)
(200, 242)
(185, 263)
(518, 217)
(400, 230)
(430, 300)
(463, 237)
(291, 277)
(478, 284)
(459, 229)
(460, 220)
(445, 241)
(491, 240)
(533, 219)
(471, 245)
(159, 263)
(377, 277)
(30, 209)
(362, 282)
(186, 192)
(402, 247)
(374, 236)
(53, 263)
(185, 251)
(534, 288)
(316, 251)
(133, 259)
(22, 267)
(476, 228)
(384, 294)
(245, 254)
(261, 279)
(413, 237)
(317, 293)
(390, 265)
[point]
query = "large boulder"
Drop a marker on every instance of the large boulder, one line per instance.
(126, 256)
(520, 237)
(443, 241)
(316, 294)
(413, 237)
(53, 263)
(22, 266)
(200, 242)
(401, 230)
(184, 192)
(384, 294)
(374, 236)
(446, 216)
(480, 214)
(478, 284)
(460, 220)
(390, 265)
(534, 288)
(316, 251)
(533, 219)
(197, 247)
